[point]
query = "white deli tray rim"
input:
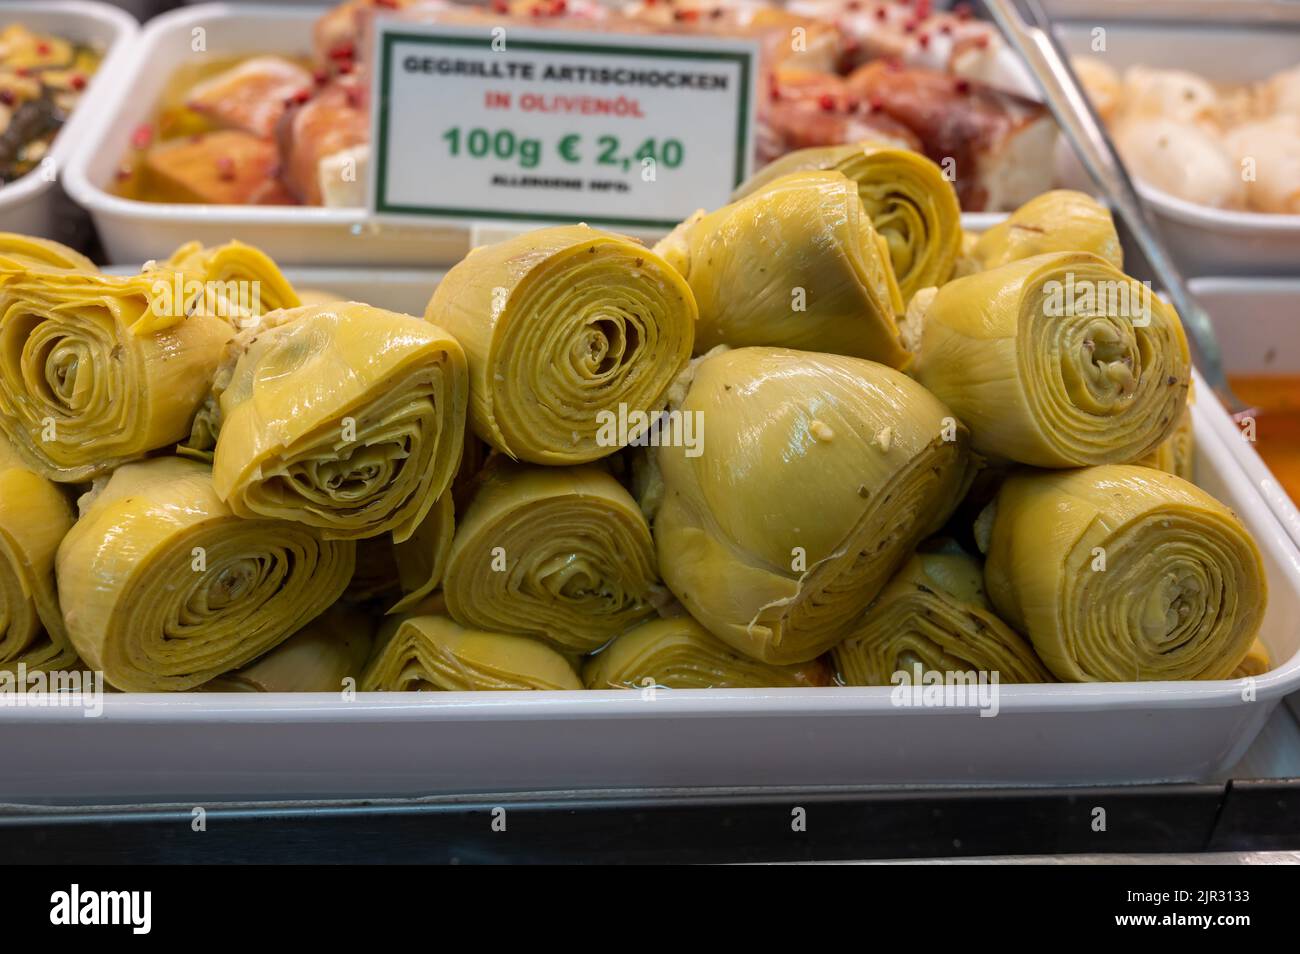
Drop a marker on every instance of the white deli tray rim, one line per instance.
(1231, 220)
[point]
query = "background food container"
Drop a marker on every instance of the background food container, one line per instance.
(35, 204)
(1231, 43)
(134, 231)
(1256, 323)
(290, 746)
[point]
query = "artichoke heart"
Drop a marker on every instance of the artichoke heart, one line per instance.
(20, 251)
(905, 193)
(934, 614)
(1058, 221)
(436, 653)
(403, 574)
(320, 657)
(819, 474)
(1120, 573)
(795, 265)
(98, 370)
(1056, 361)
(1255, 663)
(679, 653)
(237, 281)
(564, 327)
(344, 417)
(1176, 454)
(34, 517)
(164, 588)
(559, 553)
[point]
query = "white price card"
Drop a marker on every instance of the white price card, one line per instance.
(539, 125)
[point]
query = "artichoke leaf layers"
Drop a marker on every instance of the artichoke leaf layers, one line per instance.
(344, 417)
(679, 653)
(934, 614)
(97, 370)
(1056, 221)
(164, 588)
(436, 653)
(1256, 662)
(240, 281)
(819, 474)
(20, 251)
(561, 553)
(909, 201)
(1056, 361)
(320, 657)
(1176, 454)
(422, 558)
(1120, 573)
(34, 517)
(796, 265)
(561, 327)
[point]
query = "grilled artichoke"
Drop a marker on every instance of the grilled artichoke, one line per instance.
(559, 553)
(934, 614)
(19, 251)
(679, 653)
(1255, 663)
(95, 370)
(1057, 221)
(1057, 361)
(1124, 573)
(422, 559)
(239, 281)
(34, 517)
(562, 327)
(796, 264)
(819, 475)
(1176, 454)
(164, 588)
(320, 657)
(906, 195)
(434, 652)
(343, 417)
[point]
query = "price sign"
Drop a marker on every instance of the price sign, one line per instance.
(533, 125)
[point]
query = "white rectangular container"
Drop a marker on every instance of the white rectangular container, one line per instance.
(199, 745)
(137, 231)
(35, 204)
(1224, 43)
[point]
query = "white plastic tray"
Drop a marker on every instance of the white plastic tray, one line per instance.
(136, 231)
(287, 746)
(1206, 241)
(33, 204)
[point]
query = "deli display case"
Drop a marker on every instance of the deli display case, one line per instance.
(648, 419)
